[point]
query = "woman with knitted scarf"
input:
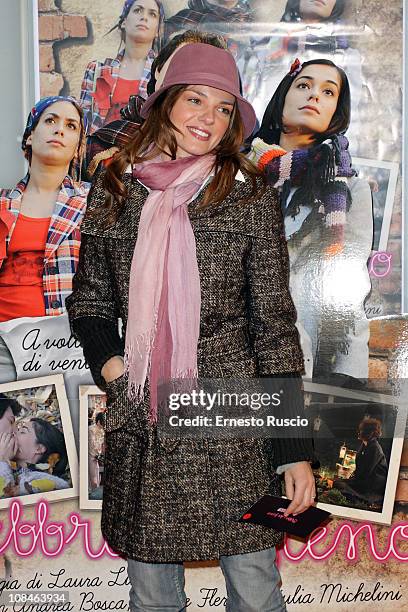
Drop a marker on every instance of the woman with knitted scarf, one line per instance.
(328, 214)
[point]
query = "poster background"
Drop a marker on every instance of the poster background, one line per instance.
(72, 33)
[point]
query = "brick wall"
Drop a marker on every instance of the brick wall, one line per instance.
(55, 26)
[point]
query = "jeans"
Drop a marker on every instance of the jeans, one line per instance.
(252, 581)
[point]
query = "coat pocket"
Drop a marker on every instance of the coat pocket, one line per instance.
(122, 411)
(117, 403)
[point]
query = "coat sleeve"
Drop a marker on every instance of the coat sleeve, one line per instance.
(92, 308)
(86, 99)
(271, 311)
(272, 318)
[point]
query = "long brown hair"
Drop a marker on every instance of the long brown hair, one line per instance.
(158, 130)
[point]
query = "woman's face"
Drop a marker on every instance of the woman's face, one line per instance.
(201, 115)
(28, 447)
(7, 421)
(312, 100)
(316, 9)
(55, 138)
(142, 22)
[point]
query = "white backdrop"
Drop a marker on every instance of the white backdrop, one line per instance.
(20, 80)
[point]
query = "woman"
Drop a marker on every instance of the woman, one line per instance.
(107, 85)
(41, 216)
(310, 29)
(328, 215)
(106, 141)
(318, 31)
(38, 449)
(201, 233)
(370, 476)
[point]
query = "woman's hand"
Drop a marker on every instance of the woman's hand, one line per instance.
(300, 487)
(113, 368)
(8, 446)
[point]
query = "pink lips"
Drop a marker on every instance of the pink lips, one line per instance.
(58, 142)
(312, 108)
(198, 136)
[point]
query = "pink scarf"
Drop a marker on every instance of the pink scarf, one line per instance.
(164, 291)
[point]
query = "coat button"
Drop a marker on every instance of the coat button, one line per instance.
(56, 304)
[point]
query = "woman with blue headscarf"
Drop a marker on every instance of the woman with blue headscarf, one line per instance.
(40, 217)
(107, 85)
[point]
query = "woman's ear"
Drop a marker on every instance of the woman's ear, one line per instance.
(29, 140)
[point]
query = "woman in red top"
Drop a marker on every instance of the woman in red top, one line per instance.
(40, 217)
(107, 85)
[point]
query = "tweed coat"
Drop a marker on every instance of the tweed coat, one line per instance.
(179, 502)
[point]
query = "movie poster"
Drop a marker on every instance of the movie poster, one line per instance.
(349, 303)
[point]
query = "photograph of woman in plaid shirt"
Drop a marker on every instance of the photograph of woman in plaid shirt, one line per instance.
(107, 85)
(40, 217)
